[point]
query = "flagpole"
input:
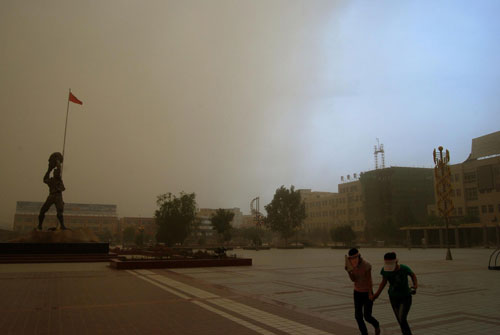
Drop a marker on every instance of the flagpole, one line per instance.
(65, 127)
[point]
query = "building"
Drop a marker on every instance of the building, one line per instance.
(325, 210)
(248, 221)
(146, 225)
(399, 195)
(350, 209)
(319, 209)
(206, 214)
(97, 217)
(476, 199)
(476, 182)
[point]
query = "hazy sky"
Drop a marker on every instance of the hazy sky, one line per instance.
(232, 99)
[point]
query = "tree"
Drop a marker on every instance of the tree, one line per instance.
(221, 222)
(139, 239)
(175, 217)
(253, 234)
(286, 212)
(343, 234)
(128, 234)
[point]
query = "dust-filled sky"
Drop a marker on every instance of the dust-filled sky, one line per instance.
(232, 99)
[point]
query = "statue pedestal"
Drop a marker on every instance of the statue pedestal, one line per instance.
(79, 245)
(13, 248)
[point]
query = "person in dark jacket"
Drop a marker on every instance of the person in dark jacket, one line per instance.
(400, 294)
(360, 272)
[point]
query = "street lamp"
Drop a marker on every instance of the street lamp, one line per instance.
(141, 230)
(443, 189)
(123, 240)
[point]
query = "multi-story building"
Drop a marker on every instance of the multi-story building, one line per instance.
(96, 217)
(476, 182)
(350, 209)
(146, 225)
(206, 213)
(248, 221)
(475, 193)
(320, 211)
(399, 195)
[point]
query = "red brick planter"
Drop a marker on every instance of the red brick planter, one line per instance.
(177, 263)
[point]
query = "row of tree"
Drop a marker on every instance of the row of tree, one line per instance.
(176, 218)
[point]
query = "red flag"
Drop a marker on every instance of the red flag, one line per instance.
(74, 99)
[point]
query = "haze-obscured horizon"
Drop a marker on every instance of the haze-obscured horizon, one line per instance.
(232, 99)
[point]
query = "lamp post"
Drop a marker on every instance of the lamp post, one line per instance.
(123, 240)
(443, 189)
(141, 230)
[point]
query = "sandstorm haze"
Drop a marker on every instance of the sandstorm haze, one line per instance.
(232, 99)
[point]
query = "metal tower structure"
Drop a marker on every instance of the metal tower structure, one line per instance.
(255, 210)
(379, 149)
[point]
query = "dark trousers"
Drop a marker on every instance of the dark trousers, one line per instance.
(401, 307)
(363, 307)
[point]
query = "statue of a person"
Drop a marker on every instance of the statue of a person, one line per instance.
(56, 187)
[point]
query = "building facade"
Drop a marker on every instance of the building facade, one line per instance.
(475, 195)
(206, 213)
(476, 182)
(96, 217)
(142, 225)
(399, 195)
(325, 210)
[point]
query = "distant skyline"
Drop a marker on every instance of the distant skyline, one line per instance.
(232, 99)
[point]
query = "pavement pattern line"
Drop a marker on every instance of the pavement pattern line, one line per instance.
(271, 320)
(143, 273)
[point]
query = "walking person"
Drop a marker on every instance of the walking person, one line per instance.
(400, 294)
(360, 272)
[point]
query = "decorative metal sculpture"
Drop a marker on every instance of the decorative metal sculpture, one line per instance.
(443, 190)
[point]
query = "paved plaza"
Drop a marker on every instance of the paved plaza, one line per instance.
(284, 292)
(454, 297)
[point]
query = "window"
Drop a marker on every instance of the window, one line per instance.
(471, 193)
(457, 177)
(484, 209)
(473, 211)
(460, 211)
(469, 177)
(490, 208)
(458, 192)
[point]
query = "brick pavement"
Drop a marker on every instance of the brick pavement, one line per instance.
(91, 298)
(454, 297)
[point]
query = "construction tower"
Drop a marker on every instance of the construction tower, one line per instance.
(379, 149)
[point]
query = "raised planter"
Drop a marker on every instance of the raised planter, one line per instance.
(256, 248)
(121, 264)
